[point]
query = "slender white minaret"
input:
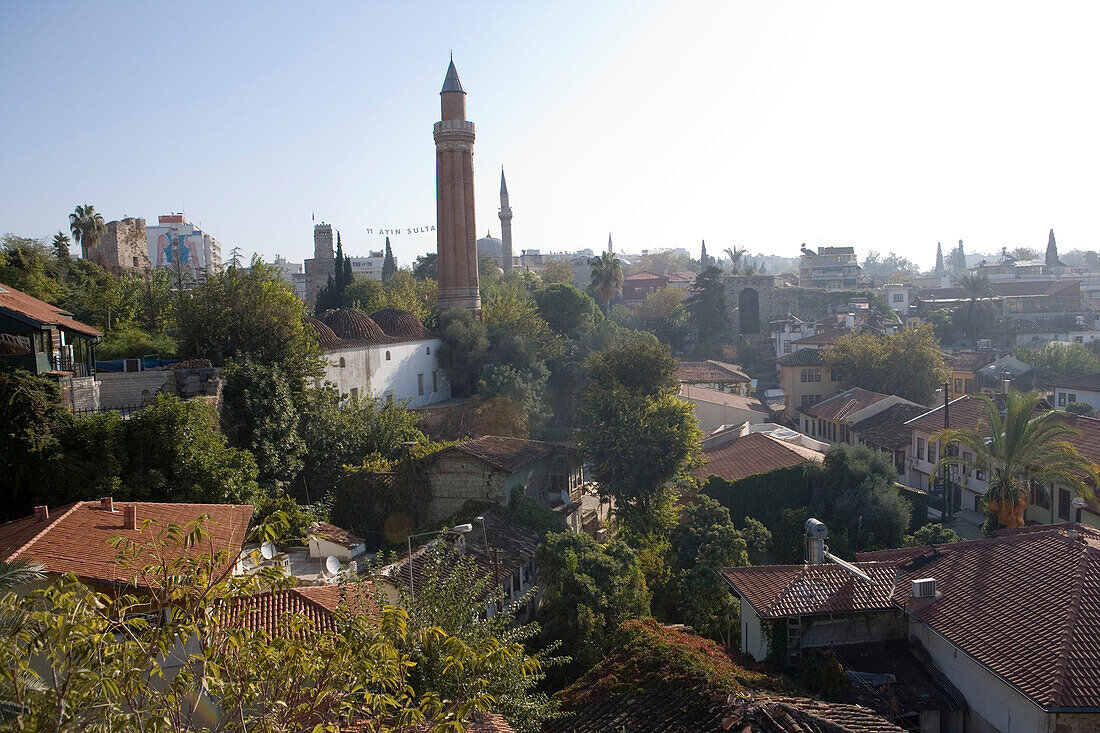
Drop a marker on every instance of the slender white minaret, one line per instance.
(505, 225)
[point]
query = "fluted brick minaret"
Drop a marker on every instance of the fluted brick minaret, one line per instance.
(505, 225)
(456, 238)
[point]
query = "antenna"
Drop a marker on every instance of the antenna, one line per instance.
(267, 550)
(332, 565)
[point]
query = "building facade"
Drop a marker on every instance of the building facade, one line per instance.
(830, 268)
(323, 264)
(180, 247)
(124, 246)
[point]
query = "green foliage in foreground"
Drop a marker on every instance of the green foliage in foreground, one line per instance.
(76, 659)
(932, 533)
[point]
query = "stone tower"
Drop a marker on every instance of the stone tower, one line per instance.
(323, 264)
(505, 226)
(456, 237)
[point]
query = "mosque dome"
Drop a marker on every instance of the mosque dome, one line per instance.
(490, 246)
(400, 324)
(352, 324)
(326, 337)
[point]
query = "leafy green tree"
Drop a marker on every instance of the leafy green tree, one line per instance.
(908, 364)
(707, 306)
(704, 544)
(637, 434)
(418, 297)
(526, 388)
(452, 594)
(290, 520)
(1053, 362)
(28, 265)
(366, 294)
(251, 314)
(932, 533)
(260, 416)
(977, 313)
(87, 226)
(508, 306)
(389, 265)
(589, 590)
(758, 540)
(74, 666)
(156, 301)
(32, 451)
(426, 267)
(607, 278)
(735, 254)
(558, 271)
(663, 314)
(854, 491)
(567, 311)
(131, 342)
(1024, 445)
(464, 349)
(1080, 408)
(331, 296)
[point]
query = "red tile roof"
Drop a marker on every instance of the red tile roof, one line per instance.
(968, 361)
(1025, 604)
(336, 535)
(841, 405)
(717, 397)
(887, 429)
(75, 539)
(964, 413)
(752, 454)
(709, 371)
(802, 357)
(506, 454)
(318, 603)
(476, 723)
(24, 307)
(784, 591)
(825, 338)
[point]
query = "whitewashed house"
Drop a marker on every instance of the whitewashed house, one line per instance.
(388, 355)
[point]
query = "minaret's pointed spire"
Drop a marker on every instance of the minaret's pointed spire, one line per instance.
(609, 247)
(451, 83)
(503, 185)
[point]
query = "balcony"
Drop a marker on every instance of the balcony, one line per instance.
(65, 363)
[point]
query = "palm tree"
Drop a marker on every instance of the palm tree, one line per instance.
(87, 226)
(977, 289)
(12, 575)
(735, 254)
(607, 277)
(1022, 446)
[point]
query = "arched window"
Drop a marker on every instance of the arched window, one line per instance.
(342, 363)
(387, 356)
(429, 351)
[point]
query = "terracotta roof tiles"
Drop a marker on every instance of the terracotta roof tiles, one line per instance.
(75, 539)
(847, 402)
(752, 454)
(1089, 382)
(26, 308)
(504, 453)
(400, 324)
(717, 397)
(887, 429)
(710, 371)
(784, 591)
(802, 357)
(267, 611)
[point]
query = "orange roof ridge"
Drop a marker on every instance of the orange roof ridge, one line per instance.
(38, 535)
(1071, 625)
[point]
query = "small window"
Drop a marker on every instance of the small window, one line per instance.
(920, 449)
(435, 381)
(1061, 399)
(834, 374)
(354, 393)
(387, 356)
(420, 384)
(786, 347)
(958, 385)
(931, 452)
(429, 351)
(1063, 504)
(1072, 397)
(342, 362)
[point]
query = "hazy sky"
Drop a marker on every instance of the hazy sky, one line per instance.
(884, 125)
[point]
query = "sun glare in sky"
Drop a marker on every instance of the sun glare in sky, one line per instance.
(885, 126)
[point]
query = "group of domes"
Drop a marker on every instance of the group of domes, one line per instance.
(351, 326)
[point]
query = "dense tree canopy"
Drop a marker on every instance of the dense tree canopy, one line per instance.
(908, 364)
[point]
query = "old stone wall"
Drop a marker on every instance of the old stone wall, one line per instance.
(776, 300)
(458, 478)
(1077, 723)
(84, 394)
(118, 390)
(124, 246)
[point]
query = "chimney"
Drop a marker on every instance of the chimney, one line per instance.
(129, 516)
(816, 532)
(107, 504)
(41, 513)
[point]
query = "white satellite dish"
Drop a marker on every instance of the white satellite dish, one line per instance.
(267, 550)
(332, 565)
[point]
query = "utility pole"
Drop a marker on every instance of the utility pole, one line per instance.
(496, 578)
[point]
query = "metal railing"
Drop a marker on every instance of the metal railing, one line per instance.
(125, 411)
(63, 363)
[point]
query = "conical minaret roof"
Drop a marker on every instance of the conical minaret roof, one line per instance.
(451, 83)
(503, 185)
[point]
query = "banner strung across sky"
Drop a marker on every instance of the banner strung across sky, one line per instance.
(400, 230)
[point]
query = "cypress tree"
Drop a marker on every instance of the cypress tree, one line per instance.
(1052, 251)
(704, 258)
(389, 266)
(939, 259)
(960, 257)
